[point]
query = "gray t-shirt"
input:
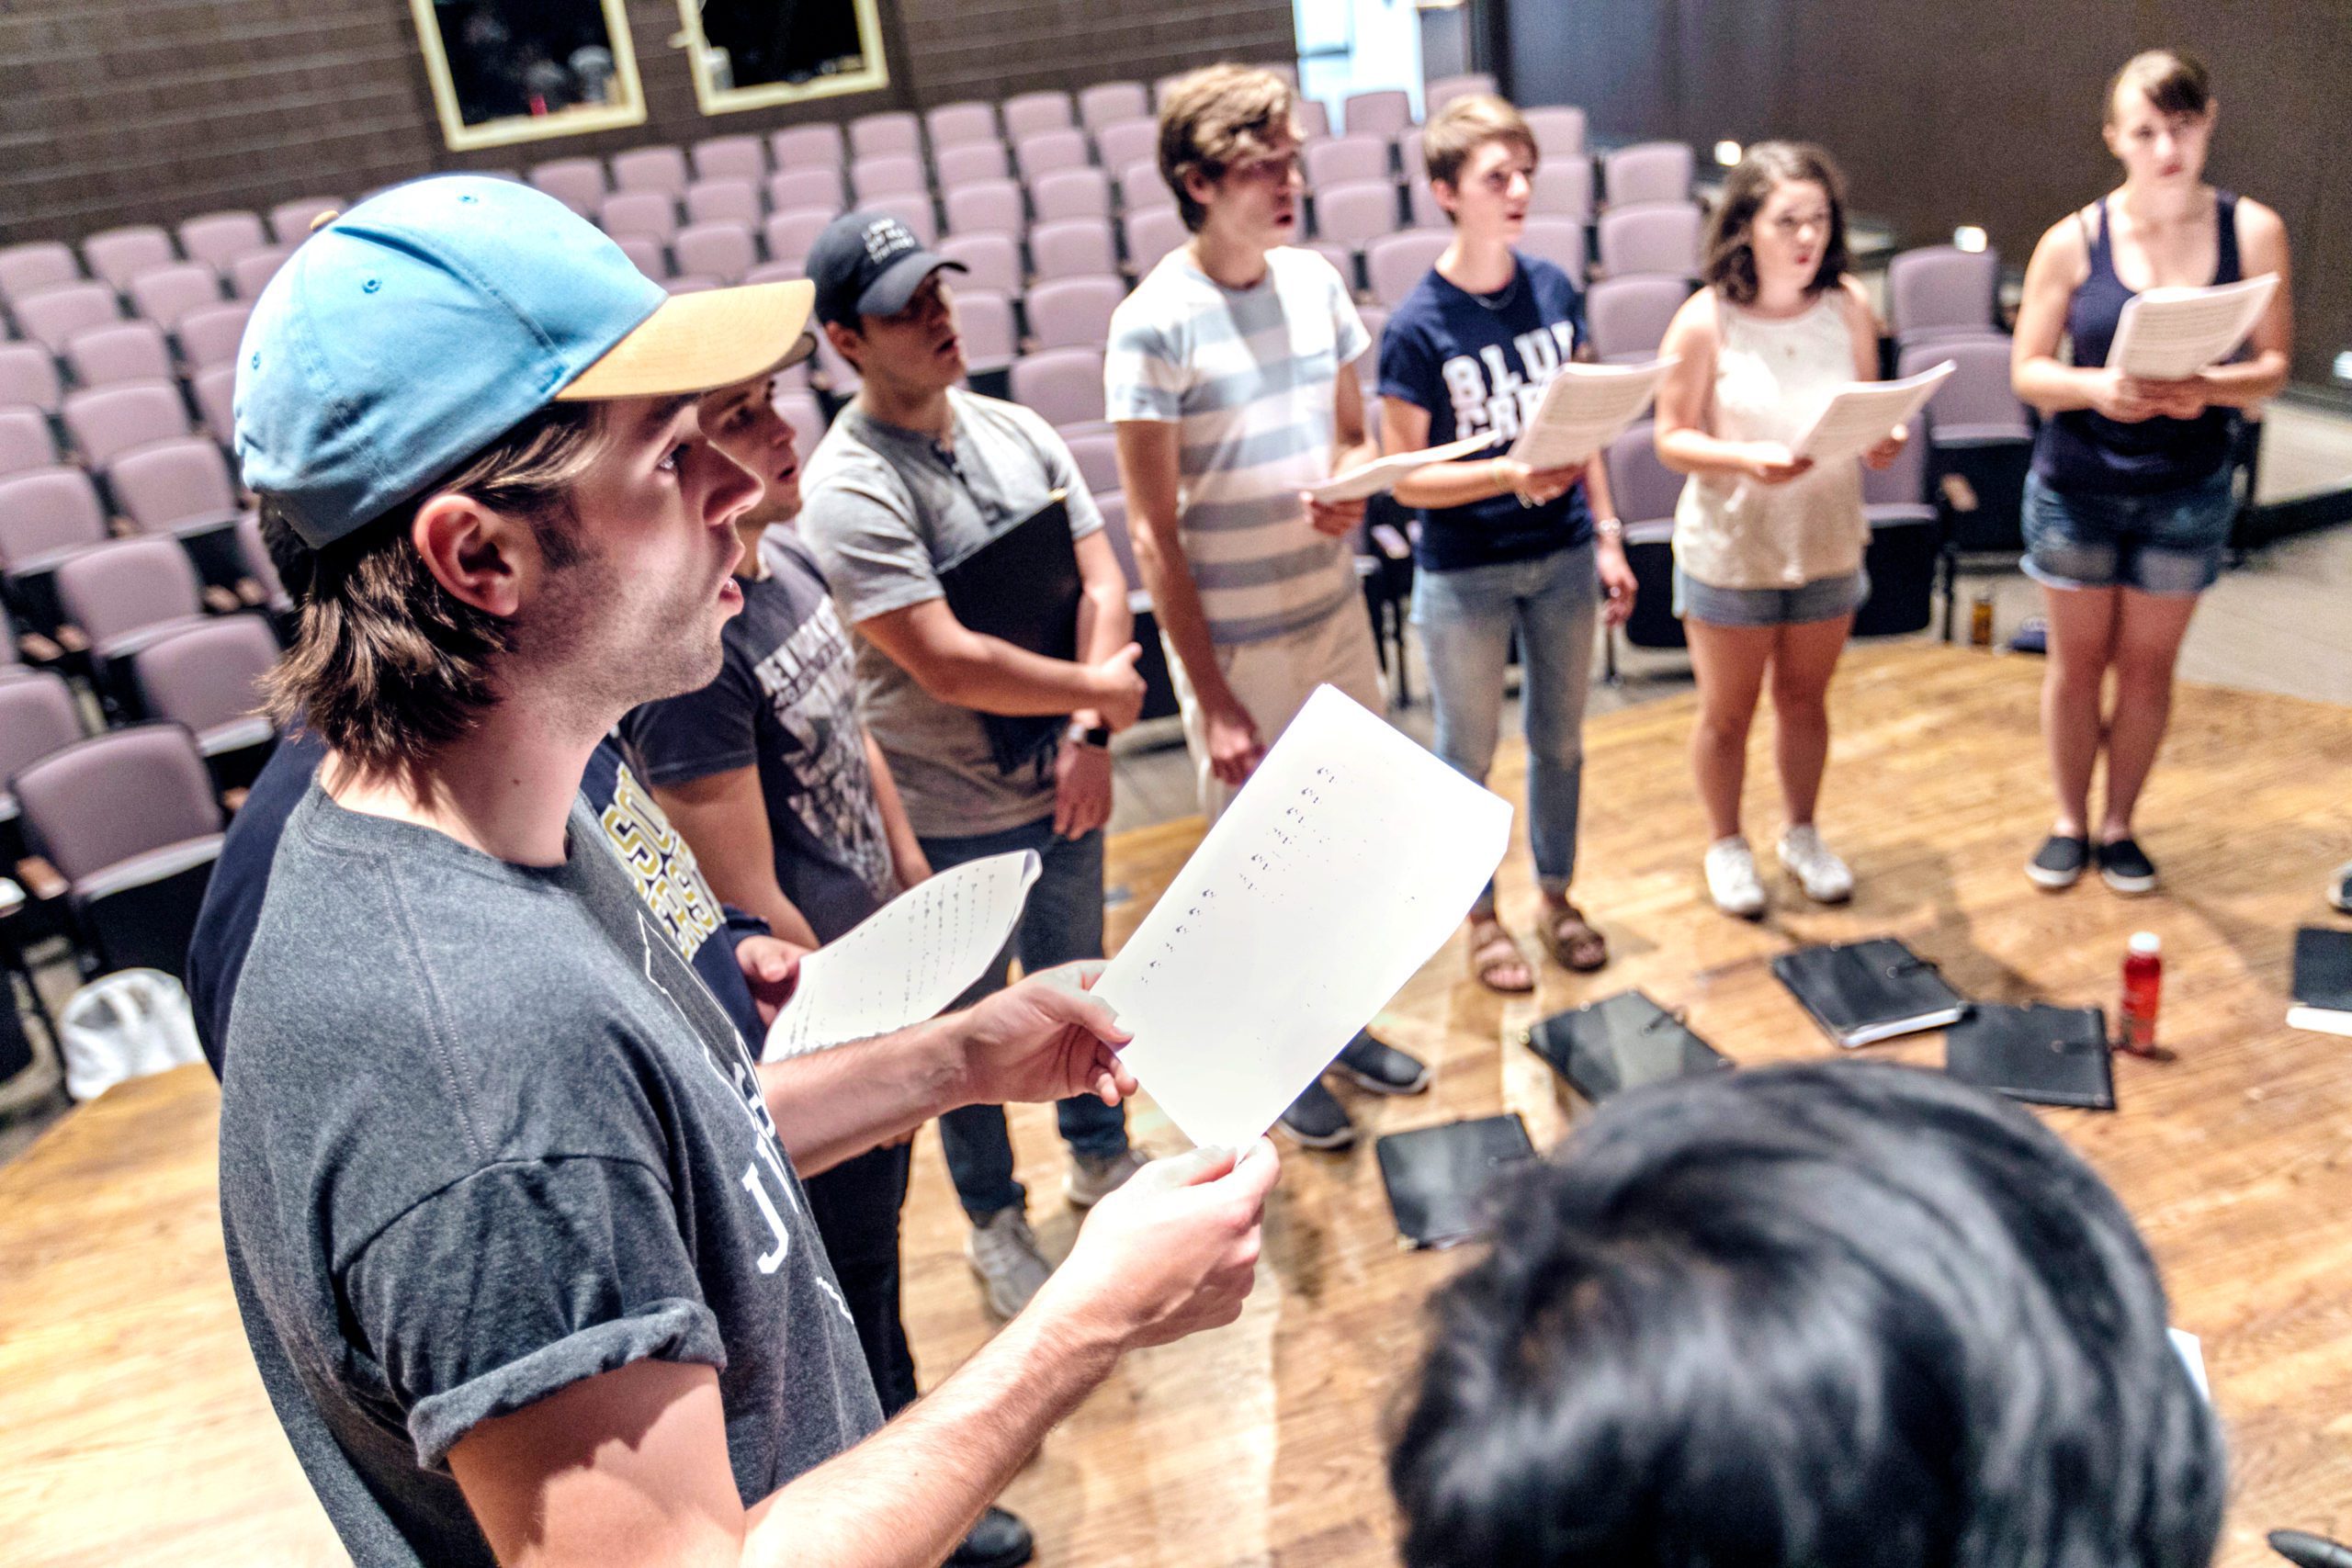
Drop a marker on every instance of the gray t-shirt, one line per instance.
(886, 510)
(483, 1134)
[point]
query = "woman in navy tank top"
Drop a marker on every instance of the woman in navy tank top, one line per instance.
(2129, 505)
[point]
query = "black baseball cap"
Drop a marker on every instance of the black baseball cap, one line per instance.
(868, 264)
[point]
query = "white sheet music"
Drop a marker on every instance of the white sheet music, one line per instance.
(2168, 334)
(1382, 473)
(1861, 414)
(1584, 408)
(908, 960)
(1349, 858)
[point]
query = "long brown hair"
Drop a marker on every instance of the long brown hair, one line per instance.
(387, 665)
(1730, 259)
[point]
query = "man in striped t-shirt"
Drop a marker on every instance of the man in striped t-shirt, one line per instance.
(1231, 375)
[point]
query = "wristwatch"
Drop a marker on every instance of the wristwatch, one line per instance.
(1608, 528)
(1097, 736)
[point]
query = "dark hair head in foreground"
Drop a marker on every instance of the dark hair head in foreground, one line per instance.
(1824, 1317)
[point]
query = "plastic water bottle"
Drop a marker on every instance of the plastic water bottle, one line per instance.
(2144, 977)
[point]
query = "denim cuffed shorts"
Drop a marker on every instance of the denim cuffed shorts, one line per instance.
(2171, 542)
(1824, 598)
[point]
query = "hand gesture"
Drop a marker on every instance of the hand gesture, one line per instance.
(1174, 1250)
(1333, 519)
(1081, 789)
(2126, 399)
(1043, 1038)
(1235, 749)
(1536, 487)
(1883, 456)
(1771, 463)
(1617, 582)
(1118, 690)
(771, 967)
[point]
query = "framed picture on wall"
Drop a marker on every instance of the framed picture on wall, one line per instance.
(509, 71)
(750, 54)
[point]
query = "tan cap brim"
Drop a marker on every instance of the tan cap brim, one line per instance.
(694, 343)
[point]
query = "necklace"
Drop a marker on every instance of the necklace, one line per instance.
(1500, 299)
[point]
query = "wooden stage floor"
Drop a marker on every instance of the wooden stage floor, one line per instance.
(132, 1429)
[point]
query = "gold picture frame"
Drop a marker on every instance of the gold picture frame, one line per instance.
(626, 108)
(717, 94)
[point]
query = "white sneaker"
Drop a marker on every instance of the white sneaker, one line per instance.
(1822, 875)
(1732, 881)
(1090, 1179)
(1003, 1253)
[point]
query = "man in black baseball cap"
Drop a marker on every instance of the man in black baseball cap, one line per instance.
(916, 473)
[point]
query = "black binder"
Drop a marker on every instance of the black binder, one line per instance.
(2323, 980)
(2042, 1055)
(1438, 1178)
(1621, 1043)
(1868, 991)
(1022, 586)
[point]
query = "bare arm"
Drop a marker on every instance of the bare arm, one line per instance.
(1404, 427)
(724, 819)
(1150, 473)
(967, 669)
(2060, 263)
(1105, 624)
(630, 1467)
(906, 851)
(2262, 374)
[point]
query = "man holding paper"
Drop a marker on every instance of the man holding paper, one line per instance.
(524, 1264)
(2128, 510)
(1502, 547)
(916, 476)
(786, 804)
(1231, 377)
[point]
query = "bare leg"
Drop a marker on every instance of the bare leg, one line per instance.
(1729, 663)
(1802, 661)
(2147, 644)
(2083, 624)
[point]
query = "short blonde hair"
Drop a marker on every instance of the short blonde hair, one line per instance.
(1468, 124)
(1215, 118)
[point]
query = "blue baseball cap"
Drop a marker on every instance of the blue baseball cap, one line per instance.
(409, 334)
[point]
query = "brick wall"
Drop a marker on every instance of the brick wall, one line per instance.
(119, 112)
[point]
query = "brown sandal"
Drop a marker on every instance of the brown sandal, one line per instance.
(1571, 940)
(1497, 953)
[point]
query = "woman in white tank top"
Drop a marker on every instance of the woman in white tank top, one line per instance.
(1767, 549)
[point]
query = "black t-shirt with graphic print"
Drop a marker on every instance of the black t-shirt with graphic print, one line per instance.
(785, 702)
(1479, 363)
(484, 1135)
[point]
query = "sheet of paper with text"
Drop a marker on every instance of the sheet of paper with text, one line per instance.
(908, 960)
(1348, 858)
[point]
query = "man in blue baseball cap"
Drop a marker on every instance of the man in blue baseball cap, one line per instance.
(509, 1217)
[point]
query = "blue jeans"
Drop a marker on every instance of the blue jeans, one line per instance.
(1465, 619)
(1062, 923)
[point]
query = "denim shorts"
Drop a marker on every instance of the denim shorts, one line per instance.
(1822, 599)
(2171, 542)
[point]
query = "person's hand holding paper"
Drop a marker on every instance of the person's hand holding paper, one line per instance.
(1344, 863)
(1047, 1038)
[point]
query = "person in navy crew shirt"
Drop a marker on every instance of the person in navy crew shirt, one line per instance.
(1502, 547)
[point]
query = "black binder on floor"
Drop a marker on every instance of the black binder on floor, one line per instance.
(1022, 587)
(1867, 991)
(2323, 980)
(1621, 1043)
(1438, 1177)
(2042, 1055)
